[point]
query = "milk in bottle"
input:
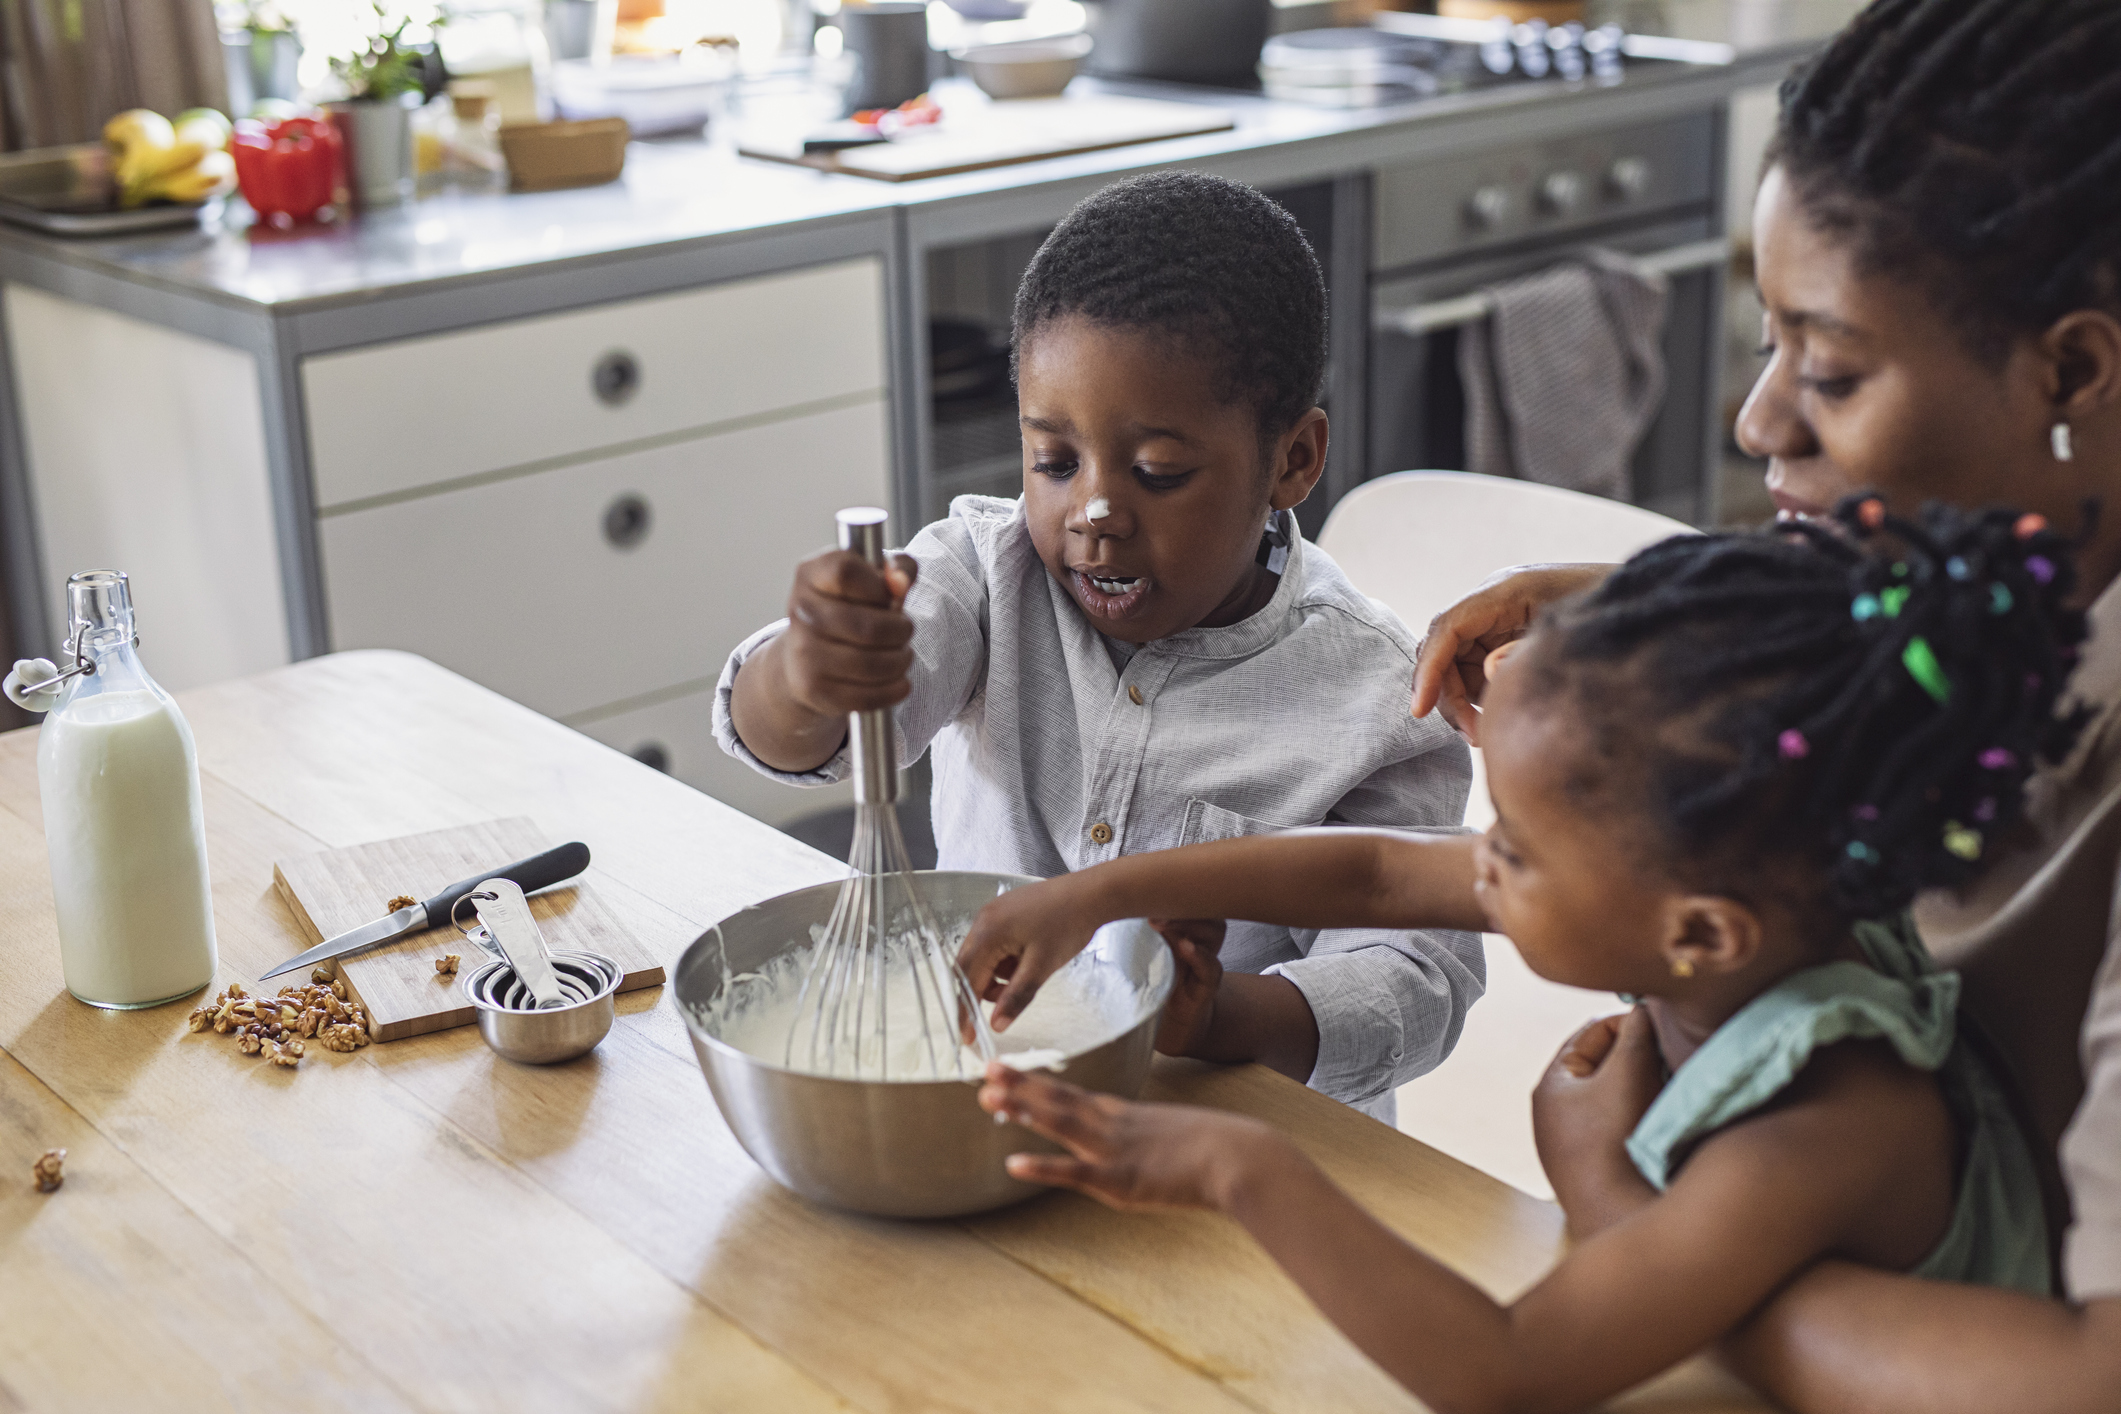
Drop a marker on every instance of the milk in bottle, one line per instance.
(119, 779)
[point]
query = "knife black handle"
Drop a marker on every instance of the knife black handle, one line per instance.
(539, 871)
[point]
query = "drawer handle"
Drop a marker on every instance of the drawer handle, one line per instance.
(616, 378)
(652, 755)
(626, 521)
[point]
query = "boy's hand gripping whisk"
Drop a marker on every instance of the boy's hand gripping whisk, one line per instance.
(881, 932)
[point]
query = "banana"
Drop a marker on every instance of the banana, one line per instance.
(140, 172)
(211, 175)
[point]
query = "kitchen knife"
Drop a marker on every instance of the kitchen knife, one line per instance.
(539, 871)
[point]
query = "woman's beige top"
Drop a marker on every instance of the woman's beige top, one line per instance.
(2036, 942)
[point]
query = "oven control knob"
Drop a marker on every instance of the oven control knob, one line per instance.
(1629, 178)
(1560, 193)
(1488, 208)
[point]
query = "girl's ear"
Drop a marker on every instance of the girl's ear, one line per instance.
(1707, 935)
(1299, 460)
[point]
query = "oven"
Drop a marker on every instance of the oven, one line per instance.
(1445, 228)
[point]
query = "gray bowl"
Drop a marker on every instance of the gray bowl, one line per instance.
(1025, 68)
(901, 1149)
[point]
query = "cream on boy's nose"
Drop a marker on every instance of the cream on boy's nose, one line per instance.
(1098, 508)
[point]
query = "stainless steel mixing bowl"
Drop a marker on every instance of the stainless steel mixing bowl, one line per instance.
(902, 1149)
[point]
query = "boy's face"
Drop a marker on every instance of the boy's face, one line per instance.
(1127, 418)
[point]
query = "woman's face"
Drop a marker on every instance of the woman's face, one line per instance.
(1869, 387)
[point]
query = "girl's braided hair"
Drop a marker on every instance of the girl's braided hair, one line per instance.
(1975, 144)
(1864, 699)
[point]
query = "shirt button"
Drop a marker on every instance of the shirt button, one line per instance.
(1134, 694)
(1100, 833)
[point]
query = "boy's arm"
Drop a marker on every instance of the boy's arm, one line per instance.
(1325, 878)
(1754, 1204)
(847, 648)
(782, 704)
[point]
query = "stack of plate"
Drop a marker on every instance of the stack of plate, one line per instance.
(1347, 68)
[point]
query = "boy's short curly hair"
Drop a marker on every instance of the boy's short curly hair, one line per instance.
(1209, 261)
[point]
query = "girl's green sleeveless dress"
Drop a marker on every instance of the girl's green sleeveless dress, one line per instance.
(1998, 1231)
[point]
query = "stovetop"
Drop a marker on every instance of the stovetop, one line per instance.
(1403, 58)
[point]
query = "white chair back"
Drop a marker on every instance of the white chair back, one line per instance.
(1421, 540)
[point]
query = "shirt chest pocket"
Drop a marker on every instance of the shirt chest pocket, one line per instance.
(1206, 821)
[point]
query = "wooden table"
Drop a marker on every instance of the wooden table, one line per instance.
(421, 1225)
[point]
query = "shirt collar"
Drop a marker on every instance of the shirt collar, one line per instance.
(1247, 636)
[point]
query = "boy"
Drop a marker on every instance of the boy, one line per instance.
(1124, 660)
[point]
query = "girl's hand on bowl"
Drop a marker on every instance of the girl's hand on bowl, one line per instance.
(1022, 938)
(1126, 1155)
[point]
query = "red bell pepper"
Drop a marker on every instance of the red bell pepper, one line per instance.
(288, 169)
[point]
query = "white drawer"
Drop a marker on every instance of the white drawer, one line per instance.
(517, 584)
(679, 732)
(396, 417)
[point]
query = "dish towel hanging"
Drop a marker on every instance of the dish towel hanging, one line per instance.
(1565, 376)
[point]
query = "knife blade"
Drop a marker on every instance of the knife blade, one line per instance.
(539, 871)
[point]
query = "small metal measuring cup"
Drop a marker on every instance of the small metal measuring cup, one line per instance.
(511, 1020)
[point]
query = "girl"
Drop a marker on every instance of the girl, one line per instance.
(1711, 777)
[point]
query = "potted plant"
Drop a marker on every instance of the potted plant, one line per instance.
(384, 82)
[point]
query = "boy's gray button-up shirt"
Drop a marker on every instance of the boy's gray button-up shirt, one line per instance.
(1048, 758)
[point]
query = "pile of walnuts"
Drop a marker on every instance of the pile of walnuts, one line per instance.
(281, 1026)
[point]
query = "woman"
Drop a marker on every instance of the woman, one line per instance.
(1938, 242)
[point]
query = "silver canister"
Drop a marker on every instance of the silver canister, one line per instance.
(378, 138)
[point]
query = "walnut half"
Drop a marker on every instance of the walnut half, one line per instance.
(49, 1171)
(401, 901)
(447, 966)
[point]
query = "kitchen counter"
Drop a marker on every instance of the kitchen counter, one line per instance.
(694, 191)
(420, 1225)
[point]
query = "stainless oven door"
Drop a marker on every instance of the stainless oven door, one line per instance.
(1417, 404)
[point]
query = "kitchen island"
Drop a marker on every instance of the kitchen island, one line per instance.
(421, 1225)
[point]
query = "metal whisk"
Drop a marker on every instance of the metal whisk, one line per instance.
(881, 930)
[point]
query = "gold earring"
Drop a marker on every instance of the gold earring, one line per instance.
(1682, 967)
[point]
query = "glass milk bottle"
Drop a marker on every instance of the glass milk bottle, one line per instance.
(119, 780)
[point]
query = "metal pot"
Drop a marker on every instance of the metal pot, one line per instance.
(1180, 41)
(903, 1149)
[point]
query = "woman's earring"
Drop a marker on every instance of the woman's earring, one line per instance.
(1682, 967)
(2058, 438)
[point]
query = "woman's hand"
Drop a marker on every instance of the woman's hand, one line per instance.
(1451, 671)
(1196, 947)
(1127, 1155)
(1592, 1096)
(1022, 938)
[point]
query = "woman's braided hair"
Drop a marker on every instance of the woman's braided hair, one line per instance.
(1974, 143)
(1864, 700)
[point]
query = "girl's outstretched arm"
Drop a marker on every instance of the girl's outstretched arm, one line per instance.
(1319, 878)
(1755, 1204)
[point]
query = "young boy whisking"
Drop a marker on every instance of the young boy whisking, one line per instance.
(1142, 651)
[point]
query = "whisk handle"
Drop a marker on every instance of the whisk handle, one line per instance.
(875, 751)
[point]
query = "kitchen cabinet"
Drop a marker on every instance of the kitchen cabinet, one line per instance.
(578, 482)
(607, 592)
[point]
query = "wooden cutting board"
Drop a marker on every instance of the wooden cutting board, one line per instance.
(973, 135)
(337, 889)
